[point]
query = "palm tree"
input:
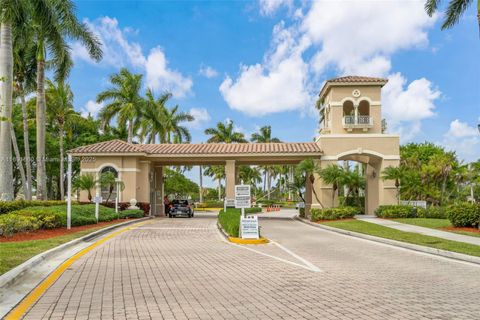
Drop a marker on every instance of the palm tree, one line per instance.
(12, 14)
(249, 175)
(153, 117)
(454, 11)
(394, 173)
(265, 136)
(124, 101)
(54, 22)
(24, 67)
(110, 182)
(217, 173)
(85, 182)
(173, 127)
(307, 168)
(59, 98)
(334, 175)
(225, 133)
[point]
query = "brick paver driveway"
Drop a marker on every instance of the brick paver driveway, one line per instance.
(182, 269)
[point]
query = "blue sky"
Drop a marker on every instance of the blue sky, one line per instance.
(264, 62)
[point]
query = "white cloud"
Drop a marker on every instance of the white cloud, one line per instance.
(278, 84)
(463, 139)
(268, 7)
(208, 72)
(120, 52)
(358, 37)
(460, 129)
(201, 116)
(159, 77)
(92, 108)
(405, 107)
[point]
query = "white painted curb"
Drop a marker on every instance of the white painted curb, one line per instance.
(12, 276)
(405, 245)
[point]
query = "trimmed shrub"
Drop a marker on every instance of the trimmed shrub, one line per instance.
(395, 211)
(213, 204)
(131, 214)
(145, 206)
(301, 212)
(11, 223)
(334, 213)
(432, 213)
(464, 215)
(9, 206)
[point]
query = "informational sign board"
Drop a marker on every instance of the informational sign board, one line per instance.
(229, 203)
(98, 199)
(249, 227)
(242, 196)
(420, 203)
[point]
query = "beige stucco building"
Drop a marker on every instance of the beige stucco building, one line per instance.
(351, 128)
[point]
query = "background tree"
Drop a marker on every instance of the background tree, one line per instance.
(54, 23)
(152, 120)
(123, 101)
(334, 175)
(224, 133)
(110, 182)
(217, 173)
(396, 174)
(264, 135)
(60, 111)
(175, 132)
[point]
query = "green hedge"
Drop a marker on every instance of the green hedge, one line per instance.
(9, 206)
(230, 219)
(334, 213)
(464, 215)
(395, 211)
(33, 218)
(403, 211)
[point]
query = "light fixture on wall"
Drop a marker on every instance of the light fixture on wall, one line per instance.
(374, 174)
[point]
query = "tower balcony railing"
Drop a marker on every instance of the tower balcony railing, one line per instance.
(357, 122)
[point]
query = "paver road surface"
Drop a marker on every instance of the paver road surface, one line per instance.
(184, 269)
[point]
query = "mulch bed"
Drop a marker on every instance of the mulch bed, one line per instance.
(50, 233)
(467, 229)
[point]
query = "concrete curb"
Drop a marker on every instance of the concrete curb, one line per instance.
(404, 245)
(15, 275)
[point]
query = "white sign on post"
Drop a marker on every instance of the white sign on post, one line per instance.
(242, 196)
(249, 227)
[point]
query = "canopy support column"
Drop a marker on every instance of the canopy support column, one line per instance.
(230, 179)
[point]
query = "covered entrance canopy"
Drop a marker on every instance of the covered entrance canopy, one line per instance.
(140, 166)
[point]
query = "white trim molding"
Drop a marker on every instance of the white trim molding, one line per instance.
(361, 151)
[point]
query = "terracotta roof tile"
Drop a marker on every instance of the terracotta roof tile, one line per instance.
(118, 146)
(355, 79)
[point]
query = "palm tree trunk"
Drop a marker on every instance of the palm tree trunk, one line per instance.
(62, 171)
(269, 182)
(26, 144)
(130, 131)
(201, 183)
(19, 159)
(40, 117)
(6, 88)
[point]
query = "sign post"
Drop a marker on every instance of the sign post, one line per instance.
(98, 199)
(248, 224)
(69, 192)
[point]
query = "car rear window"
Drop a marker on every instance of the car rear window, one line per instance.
(180, 202)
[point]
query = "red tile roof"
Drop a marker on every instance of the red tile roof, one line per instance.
(356, 79)
(119, 146)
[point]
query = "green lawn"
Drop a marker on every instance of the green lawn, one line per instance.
(14, 253)
(414, 238)
(434, 224)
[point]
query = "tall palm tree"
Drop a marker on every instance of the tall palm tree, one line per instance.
(307, 168)
(153, 117)
(12, 15)
(173, 127)
(224, 133)
(124, 101)
(24, 68)
(264, 135)
(334, 175)
(59, 98)
(54, 24)
(455, 10)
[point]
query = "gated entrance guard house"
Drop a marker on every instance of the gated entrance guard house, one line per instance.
(350, 129)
